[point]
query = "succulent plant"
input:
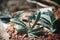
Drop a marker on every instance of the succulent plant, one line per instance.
(30, 31)
(47, 21)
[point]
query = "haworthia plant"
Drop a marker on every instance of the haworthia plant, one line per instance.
(47, 20)
(29, 29)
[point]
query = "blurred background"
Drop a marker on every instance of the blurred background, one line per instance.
(17, 5)
(20, 4)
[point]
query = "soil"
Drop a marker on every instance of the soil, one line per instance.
(48, 37)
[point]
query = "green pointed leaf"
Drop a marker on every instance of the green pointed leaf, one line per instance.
(37, 19)
(52, 30)
(46, 17)
(56, 20)
(19, 28)
(18, 22)
(43, 20)
(52, 17)
(31, 34)
(35, 30)
(18, 14)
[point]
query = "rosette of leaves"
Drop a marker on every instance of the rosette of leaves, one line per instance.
(30, 31)
(48, 21)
